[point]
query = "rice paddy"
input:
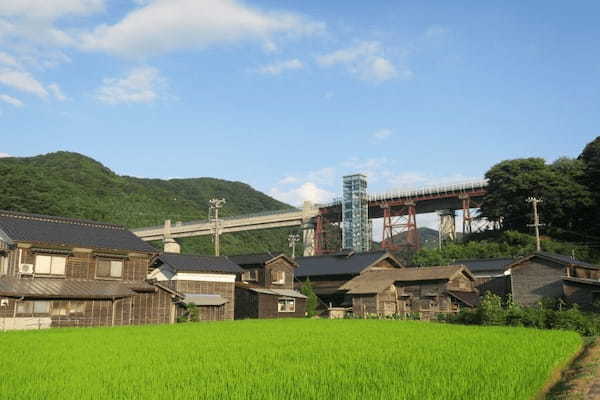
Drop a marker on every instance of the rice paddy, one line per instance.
(283, 359)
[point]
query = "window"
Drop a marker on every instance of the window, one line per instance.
(3, 265)
(76, 307)
(251, 275)
(278, 277)
(33, 307)
(60, 308)
(50, 265)
(109, 269)
(286, 305)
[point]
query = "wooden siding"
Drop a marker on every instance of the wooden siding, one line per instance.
(536, 279)
(268, 307)
(246, 304)
(225, 289)
(498, 285)
(280, 265)
(582, 294)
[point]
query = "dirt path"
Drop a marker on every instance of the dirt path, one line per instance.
(582, 380)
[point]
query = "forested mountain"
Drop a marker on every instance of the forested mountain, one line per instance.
(73, 185)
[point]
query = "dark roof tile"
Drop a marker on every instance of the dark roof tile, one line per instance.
(336, 264)
(22, 227)
(186, 262)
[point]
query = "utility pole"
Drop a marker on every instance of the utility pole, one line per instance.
(536, 221)
(292, 240)
(215, 205)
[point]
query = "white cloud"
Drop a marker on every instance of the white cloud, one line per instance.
(57, 92)
(23, 81)
(11, 100)
(49, 9)
(288, 180)
(306, 192)
(7, 59)
(381, 135)
(365, 60)
(167, 25)
(141, 85)
(413, 180)
(4, 155)
(323, 176)
(279, 67)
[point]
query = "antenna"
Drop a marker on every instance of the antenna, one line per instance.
(536, 221)
(215, 205)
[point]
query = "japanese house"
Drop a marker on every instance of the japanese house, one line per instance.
(265, 288)
(554, 276)
(490, 274)
(426, 291)
(59, 272)
(327, 273)
(206, 281)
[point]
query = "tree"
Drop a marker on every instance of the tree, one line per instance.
(512, 182)
(311, 298)
(590, 177)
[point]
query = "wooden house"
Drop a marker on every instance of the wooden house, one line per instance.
(327, 273)
(206, 281)
(265, 288)
(491, 274)
(545, 275)
(401, 291)
(58, 272)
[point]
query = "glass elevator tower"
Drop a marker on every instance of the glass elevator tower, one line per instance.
(355, 214)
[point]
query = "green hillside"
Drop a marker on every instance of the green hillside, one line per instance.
(73, 185)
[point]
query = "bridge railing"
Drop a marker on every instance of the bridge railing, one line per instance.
(205, 221)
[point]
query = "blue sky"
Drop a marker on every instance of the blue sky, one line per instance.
(288, 96)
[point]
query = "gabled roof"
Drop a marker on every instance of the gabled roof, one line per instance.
(194, 263)
(71, 289)
(376, 281)
(498, 265)
(34, 228)
(556, 258)
(261, 259)
(341, 263)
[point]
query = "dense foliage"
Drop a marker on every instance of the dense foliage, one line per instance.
(548, 314)
(500, 244)
(283, 359)
(72, 185)
(569, 189)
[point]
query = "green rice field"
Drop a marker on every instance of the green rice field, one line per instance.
(283, 359)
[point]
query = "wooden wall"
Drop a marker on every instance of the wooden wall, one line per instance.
(225, 289)
(268, 307)
(536, 279)
(580, 293)
(281, 265)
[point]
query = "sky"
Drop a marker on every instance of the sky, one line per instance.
(289, 96)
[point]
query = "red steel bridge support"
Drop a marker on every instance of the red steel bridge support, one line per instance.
(327, 235)
(400, 219)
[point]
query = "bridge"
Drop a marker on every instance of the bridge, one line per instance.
(345, 222)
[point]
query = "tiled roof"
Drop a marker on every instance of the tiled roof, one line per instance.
(486, 265)
(22, 227)
(471, 299)
(70, 289)
(567, 260)
(377, 280)
(252, 259)
(278, 292)
(204, 299)
(185, 262)
(337, 264)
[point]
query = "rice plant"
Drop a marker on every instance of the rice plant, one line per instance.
(283, 359)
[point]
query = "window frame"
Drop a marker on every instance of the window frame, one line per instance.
(286, 302)
(250, 275)
(275, 281)
(52, 258)
(31, 308)
(110, 261)
(3, 265)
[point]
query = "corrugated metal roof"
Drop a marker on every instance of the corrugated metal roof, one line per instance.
(22, 227)
(71, 289)
(376, 281)
(336, 264)
(204, 299)
(567, 260)
(278, 292)
(185, 262)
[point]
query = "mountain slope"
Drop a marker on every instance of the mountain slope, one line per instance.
(73, 185)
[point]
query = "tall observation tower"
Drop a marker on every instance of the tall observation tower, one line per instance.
(355, 213)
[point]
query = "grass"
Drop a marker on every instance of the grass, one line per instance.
(283, 359)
